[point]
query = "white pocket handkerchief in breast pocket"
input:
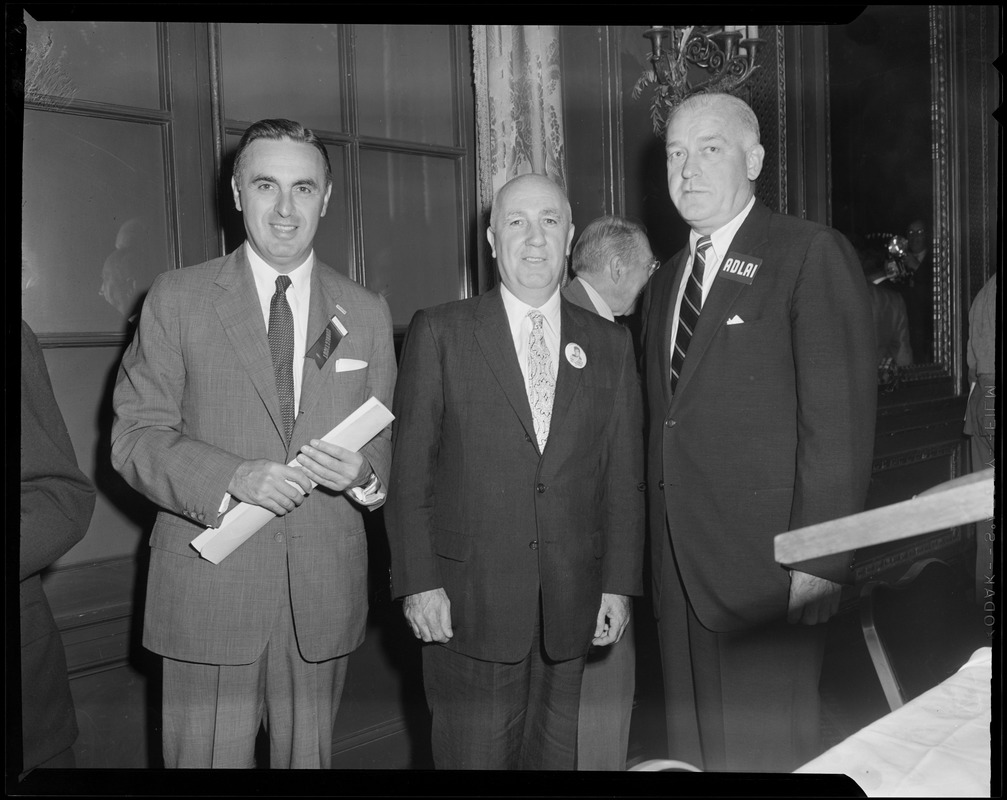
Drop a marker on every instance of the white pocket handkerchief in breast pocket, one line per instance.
(348, 364)
(735, 320)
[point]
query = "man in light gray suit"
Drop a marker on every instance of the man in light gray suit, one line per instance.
(612, 261)
(238, 366)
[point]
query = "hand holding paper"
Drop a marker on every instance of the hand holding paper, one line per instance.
(332, 466)
(245, 519)
(276, 487)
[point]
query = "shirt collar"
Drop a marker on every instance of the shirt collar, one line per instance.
(599, 302)
(517, 309)
(723, 236)
(266, 275)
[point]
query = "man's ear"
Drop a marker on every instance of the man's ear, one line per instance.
(325, 200)
(616, 268)
(753, 161)
(236, 193)
(491, 238)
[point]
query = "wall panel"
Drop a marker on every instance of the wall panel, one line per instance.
(104, 180)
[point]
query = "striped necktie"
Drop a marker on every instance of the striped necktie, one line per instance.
(688, 314)
(281, 347)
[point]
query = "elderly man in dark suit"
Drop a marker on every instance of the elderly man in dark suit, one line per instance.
(57, 501)
(237, 367)
(612, 262)
(761, 385)
(515, 509)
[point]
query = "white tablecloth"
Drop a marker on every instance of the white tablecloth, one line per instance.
(936, 745)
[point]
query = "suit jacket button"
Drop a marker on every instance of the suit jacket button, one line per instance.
(660, 485)
(669, 423)
(533, 545)
(641, 486)
(540, 488)
(278, 537)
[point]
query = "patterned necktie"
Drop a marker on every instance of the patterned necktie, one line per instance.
(281, 346)
(688, 314)
(541, 383)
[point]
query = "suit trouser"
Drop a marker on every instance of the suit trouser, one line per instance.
(488, 715)
(606, 704)
(980, 424)
(743, 701)
(212, 713)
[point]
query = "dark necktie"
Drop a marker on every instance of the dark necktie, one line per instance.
(688, 314)
(281, 346)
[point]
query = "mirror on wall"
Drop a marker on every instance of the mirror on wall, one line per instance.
(888, 160)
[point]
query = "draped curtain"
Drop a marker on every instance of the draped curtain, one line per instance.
(519, 114)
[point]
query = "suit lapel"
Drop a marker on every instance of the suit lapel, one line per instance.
(664, 307)
(241, 316)
(492, 333)
(723, 293)
(568, 377)
(321, 308)
(577, 294)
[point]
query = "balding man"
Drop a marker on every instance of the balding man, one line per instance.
(761, 382)
(515, 504)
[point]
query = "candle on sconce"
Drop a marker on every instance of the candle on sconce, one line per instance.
(753, 32)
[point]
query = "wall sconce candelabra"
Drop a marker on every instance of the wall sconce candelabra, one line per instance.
(689, 59)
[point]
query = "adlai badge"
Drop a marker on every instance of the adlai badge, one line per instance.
(327, 342)
(739, 267)
(575, 355)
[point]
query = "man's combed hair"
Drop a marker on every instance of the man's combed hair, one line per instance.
(742, 111)
(278, 130)
(602, 240)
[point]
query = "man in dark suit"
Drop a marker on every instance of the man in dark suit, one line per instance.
(515, 505)
(612, 262)
(236, 368)
(57, 501)
(761, 387)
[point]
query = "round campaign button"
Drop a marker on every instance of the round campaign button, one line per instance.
(575, 355)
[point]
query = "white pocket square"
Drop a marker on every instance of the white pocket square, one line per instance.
(347, 364)
(735, 320)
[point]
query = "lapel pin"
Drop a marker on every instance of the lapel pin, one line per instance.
(575, 355)
(740, 267)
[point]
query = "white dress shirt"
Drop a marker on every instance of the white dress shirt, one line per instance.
(721, 240)
(521, 325)
(299, 298)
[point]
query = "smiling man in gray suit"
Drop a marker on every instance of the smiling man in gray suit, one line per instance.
(237, 367)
